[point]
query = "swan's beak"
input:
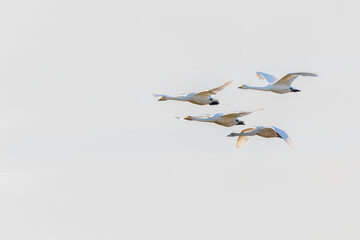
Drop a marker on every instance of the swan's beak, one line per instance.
(241, 86)
(161, 99)
(187, 118)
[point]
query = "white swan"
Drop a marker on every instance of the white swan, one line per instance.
(199, 98)
(266, 132)
(226, 120)
(279, 86)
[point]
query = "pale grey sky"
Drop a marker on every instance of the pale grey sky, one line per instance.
(88, 153)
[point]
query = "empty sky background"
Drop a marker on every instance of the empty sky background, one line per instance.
(86, 151)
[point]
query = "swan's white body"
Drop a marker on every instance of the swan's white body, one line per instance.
(227, 120)
(199, 98)
(278, 86)
(266, 132)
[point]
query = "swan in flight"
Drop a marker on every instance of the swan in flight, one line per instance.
(266, 132)
(227, 120)
(279, 86)
(199, 98)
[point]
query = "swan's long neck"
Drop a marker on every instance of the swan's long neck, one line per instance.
(266, 88)
(201, 119)
(246, 134)
(240, 134)
(252, 133)
(234, 135)
(179, 98)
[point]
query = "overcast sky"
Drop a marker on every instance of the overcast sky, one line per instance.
(86, 151)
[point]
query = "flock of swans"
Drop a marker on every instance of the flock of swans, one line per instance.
(280, 86)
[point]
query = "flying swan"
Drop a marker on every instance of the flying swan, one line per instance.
(227, 120)
(199, 98)
(266, 132)
(279, 86)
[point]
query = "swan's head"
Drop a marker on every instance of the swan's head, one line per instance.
(233, 135)
(188, 118)
(243, 87)
(163, 98)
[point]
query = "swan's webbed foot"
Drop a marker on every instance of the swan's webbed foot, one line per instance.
(214, 103)
(294, 89)
(238, 122)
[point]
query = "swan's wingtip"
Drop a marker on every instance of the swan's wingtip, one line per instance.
(229, 82)
(290, 143)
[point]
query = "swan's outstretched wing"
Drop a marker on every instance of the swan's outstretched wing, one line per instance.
(242, 139)
(240, 114)
(214, 90)
(284, 136)
(288, 79)
(270, 78)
